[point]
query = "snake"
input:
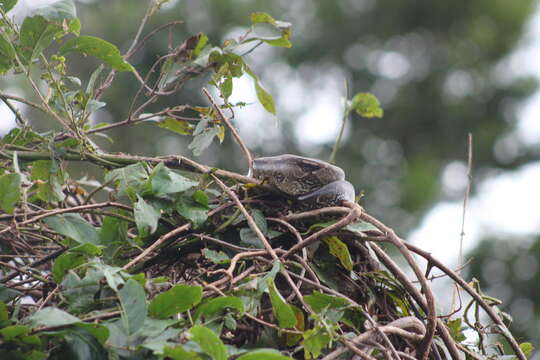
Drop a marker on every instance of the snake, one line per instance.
(311, 182)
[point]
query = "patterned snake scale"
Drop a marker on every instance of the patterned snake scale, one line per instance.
(313, 183)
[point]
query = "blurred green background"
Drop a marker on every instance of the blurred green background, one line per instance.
(441, 69)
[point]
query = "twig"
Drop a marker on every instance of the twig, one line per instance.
(233, 130)
(346, 112)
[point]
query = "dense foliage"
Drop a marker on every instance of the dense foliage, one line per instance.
(163, 257)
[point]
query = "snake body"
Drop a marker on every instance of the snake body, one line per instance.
(313, 183)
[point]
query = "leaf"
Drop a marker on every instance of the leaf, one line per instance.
(165, 181)
(219, 304)
(181, 127)
(178, 353)
(10, 191)
(319, 301)
(65, 262)
(282, 311)
(178, 299)
(99, 48)
(260, 220)
(203, 140)
(192, 211)
(134, 175)
(527, 348)
(36, 35)
(456, 330)
(133, 301)
(74, 227)
(200, 197)
(314, 341)
(7, 5)
(51, 316)
(209, 342)
(217, 257)
(146, 217)
(366, 105)
(82, 345)
(266, 100)
(7, 294)
(264, 354)
(340, 250)
(293, 339)
(360, 227)
(248, 237)
(7, 54)
(57, 11)
(280, 39)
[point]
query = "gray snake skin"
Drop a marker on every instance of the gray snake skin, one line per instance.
(313, 183)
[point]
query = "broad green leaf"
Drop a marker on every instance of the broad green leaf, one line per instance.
(7, 54)
(10, 191)
(134, 175)
(133, 301)
(201, 44)
(11, 332)
(360, 227)
(366, 105)
(178, 353)
(219, 304)
(82, 345)
(203, 140)
(217, 257)
(319, 301)
(314, 341)
(200, 197)
(4, 315)
(266, 100)
(191, 210)
(293, 339)
(165, 181)
(146, 217)
(209, 342)
(264, 354)
(456, 330)
(99, 48)
(527, 348)
(80, 293)
(340, 250)
(75, 227)
(7, 5)
(36, 35)
(178, 299)
(57, 11)
(248, 237)
(282, 311)
(282, 28)
(260, 220)
(99, 331)
(181, 127)
(51, 316)
(7, 294)
(65, 262)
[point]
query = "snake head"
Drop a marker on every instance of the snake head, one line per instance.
(330, 195)
(295, 175)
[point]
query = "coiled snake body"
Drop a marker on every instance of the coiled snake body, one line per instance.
(313, 183)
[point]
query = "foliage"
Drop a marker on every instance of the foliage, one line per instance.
(159, 258)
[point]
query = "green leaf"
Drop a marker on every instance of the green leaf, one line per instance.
(360, 227)
(264, 354)
(9, 333)
(283, 28)
(282, 311)
(73, 226)
(36, 35)
(340, 250)
(10, 191)
(314, 341)
(219, 304)
(7, 54)
(51, 316)
(456, 330)
(248, 237)
(319, 301)
(133, 301)
(99, 48)
(181, 127)
(366, 105)
(266, 100)
(203, 140)
(146, 217)
(178, 299)
(217, 257)
(134, 176)
(200, 197)
(165, 181)
(527, 348)
(7, 294)
(7, 5)
(57, 11)
(65, 262)
(82, 345)
(192, 211)
(209, 342)
(178, 353)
